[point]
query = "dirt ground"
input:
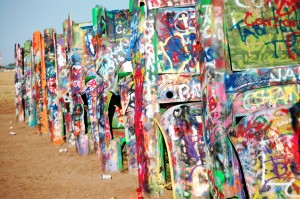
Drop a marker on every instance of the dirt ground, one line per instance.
(32, 167)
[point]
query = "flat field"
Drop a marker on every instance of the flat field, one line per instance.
(32, 167)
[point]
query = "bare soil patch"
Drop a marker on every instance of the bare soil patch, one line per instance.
(32, 167)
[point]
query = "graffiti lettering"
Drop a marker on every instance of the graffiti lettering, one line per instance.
(270, 22)
(121, 30)
(270, 97)
(287, 74)
(186, 92)
(60, 59)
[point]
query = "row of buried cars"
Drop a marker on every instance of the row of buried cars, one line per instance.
(197, 97)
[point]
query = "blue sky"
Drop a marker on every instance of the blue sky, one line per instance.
(20, 18)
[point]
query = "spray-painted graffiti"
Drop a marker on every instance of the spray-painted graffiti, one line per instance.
(92, 96)
(239, 82)
(268, 33)
(264, 142)
(174, 88)
(169, 3)
(64, 89)
(265, 98)
(211, 35)
(117, 24)
(54, 110)
(245, 92)
(199, 93)
(87, 139)
(30, 111)
(111, 51)
(18, 83)
(183, 127)
(176, 33)
(40, 82)
(78, 111)
(104, 72)
(128, 99)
